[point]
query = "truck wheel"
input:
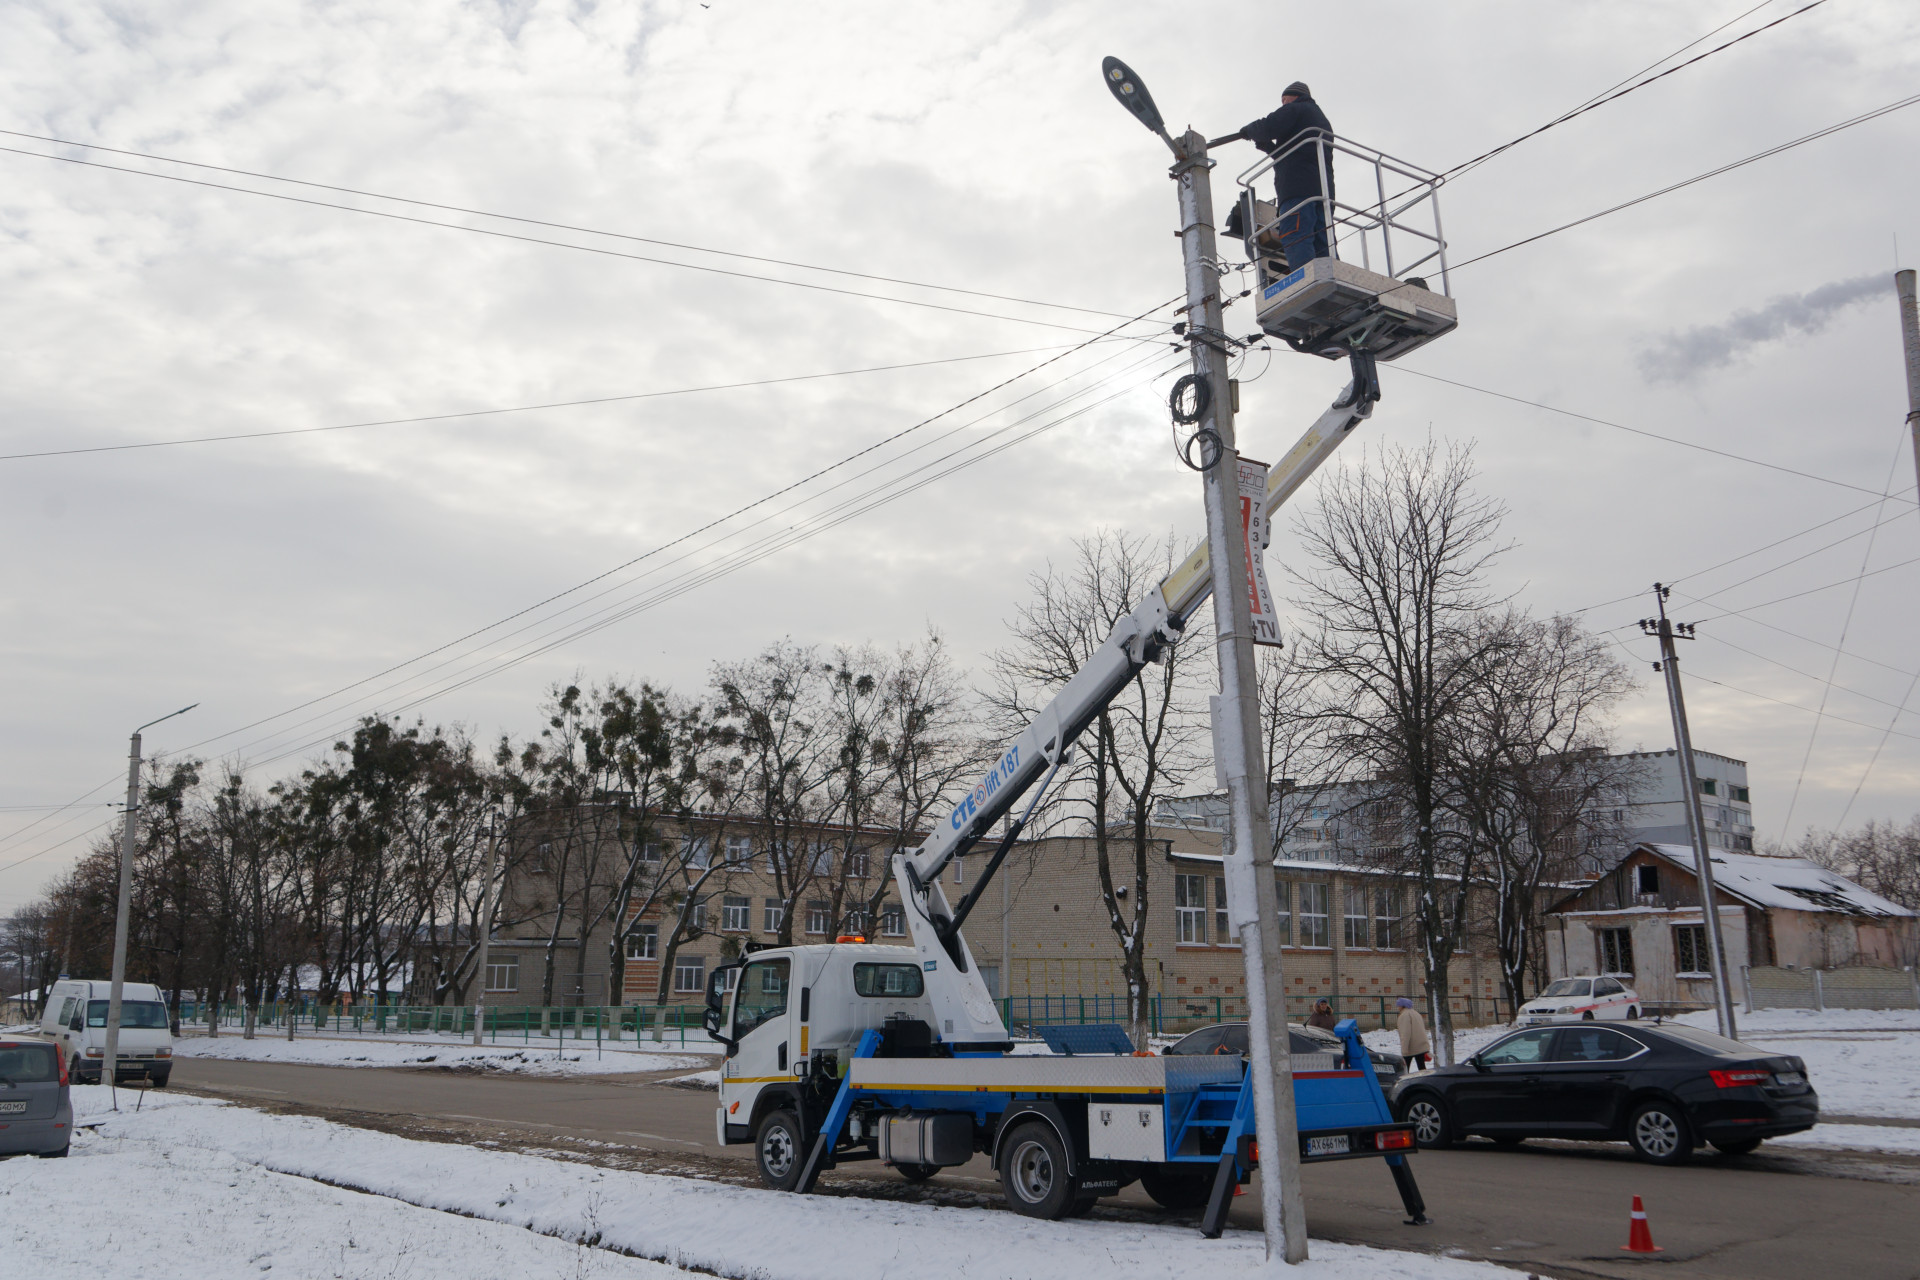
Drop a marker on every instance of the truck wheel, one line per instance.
(917, 1172)
(1176, 1189)
(780, 1151)
(1033, 1173)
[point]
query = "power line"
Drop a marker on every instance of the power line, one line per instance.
(1654, 435)
(738, 511)
(1878, 747)
(1815, 136)
(524, 408)
(1810, 591)
(557, 244)
(1617, 93)
(1846, 624)
(1796, 706)
(40, 853)
(1807, 675)
(1795, 635)
(537, 222)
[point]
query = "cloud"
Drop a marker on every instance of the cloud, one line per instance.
(1681, 357)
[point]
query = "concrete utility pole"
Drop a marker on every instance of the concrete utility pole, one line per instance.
(129, 836)
(1236, 723)
(1696, 814)
(486, 931)
(1910, 331)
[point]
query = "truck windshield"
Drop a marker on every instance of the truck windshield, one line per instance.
(147, 1015)
(760, 996)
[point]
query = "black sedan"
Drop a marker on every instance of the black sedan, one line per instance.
(1231, 1037)
(1661, 1087)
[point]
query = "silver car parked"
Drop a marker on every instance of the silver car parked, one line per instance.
(36, 1112)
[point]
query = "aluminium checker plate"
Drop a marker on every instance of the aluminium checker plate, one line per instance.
(1324, 305)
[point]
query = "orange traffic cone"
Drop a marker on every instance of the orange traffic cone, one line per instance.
(1639, 1239)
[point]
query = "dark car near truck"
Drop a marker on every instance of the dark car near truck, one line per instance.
(1662, 1088)
(36, 1110)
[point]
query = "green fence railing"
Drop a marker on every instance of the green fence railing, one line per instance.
(675, 1024)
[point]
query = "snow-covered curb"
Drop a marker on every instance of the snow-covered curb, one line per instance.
(732, 1231)
(567, 1058)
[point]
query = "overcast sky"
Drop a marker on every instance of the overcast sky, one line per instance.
(970, 146)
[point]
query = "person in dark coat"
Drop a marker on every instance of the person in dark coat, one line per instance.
(1303, 216)
(1322, 1015)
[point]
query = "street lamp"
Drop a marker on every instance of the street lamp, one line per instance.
(1131, 92)
(127, 839)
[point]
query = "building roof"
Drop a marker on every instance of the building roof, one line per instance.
(1784, 884)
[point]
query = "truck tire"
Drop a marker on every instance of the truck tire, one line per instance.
(1177, 1188)
(1033, 1173)
(780, 1151)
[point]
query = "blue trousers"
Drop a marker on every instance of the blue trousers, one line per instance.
(1303, 234)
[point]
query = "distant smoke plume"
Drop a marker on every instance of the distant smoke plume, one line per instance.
(1683, 355)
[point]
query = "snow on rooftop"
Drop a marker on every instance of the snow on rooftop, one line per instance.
(1790, 884)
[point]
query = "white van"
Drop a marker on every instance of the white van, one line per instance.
(76, 1019)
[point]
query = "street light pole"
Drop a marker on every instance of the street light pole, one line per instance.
(129, 835)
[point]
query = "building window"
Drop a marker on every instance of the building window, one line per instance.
(643, 942)
(653, 851)
(822, 859)
(739, 850)
(1223, 930)
(1386, 918)
(1356, 917)
(733, 914)
(893, 921)
(1740, 794)
(1190, 908)
(990, 978)
(699, 852)
(1708, 787)
(1283, 896)
(1690, 948)
(858, 864)
(1616, 951)
(503, 973)
(775, 912)
(855, 923)
(689, 973)
(1646, 879)
(817, 913)
(697, 919)
(1314, 899)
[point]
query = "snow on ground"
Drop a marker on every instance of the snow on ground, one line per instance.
(557, 1058)
(1855, 1137)
(200, 1153)
(183, 1210)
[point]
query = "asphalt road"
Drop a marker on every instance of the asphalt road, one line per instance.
(1555, 1208)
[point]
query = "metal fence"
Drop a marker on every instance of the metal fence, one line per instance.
(671, 1024)
(1854, 987)
(1176, 1015)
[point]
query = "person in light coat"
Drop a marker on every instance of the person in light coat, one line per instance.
(1414, 1045)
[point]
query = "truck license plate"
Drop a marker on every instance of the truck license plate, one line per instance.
(1335, 1145)
(13, 1108)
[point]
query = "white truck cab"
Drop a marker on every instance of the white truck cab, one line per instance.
(781, 1008)
(76, 1019)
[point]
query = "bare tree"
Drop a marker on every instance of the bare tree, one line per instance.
(1136, 751)
(1399, 553)
(1531, 774)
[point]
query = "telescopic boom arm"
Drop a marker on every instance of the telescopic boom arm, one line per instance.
(960, 998)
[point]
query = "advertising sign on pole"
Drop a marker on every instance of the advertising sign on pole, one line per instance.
(1253, 528)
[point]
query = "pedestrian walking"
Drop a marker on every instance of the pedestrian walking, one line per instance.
(1303, 212)
(1414, 1045)
(1322, 1015)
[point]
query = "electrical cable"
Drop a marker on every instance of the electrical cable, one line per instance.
(76, 802)
(1695, 675)
(1807, 675)
(558, 244)
(402, 683)
(1878, 747)
(740, 558)
(40, 853)
(738, 511)
(1617, 93)
(538, 222)
(1811, 590)
(1846, 624)
(1795, 635)
(1654, 435)
(1815, 136)
(524, 408)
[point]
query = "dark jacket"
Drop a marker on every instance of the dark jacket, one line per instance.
(1298, 176)
(1321, 1018)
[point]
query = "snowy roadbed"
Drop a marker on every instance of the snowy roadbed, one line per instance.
(567, 1057)
(217, 1152)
